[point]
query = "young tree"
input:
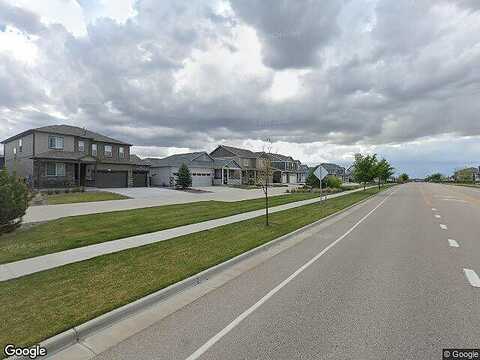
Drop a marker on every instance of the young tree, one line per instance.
(184, 179)
(403, 178)
(265, 174)
(383, 171)
(365, 168)
(13, 201)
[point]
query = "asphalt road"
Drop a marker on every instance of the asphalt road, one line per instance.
(384, 282)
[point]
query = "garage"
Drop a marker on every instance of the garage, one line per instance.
(201, 177)
(112, 179)
(140, 179)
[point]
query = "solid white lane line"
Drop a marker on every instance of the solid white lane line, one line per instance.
(443, 227)
(200, 351)
(472, 277)
(438, 216)
(453, 243)
(433, 209)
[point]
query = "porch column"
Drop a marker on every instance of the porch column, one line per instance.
(228, 175)
(79, 174)
(222, 175)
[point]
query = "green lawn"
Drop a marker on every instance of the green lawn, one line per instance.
(80, 197)
(78, 231)
(41, 305)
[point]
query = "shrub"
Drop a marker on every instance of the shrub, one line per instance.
(13, 201)
(333, 182)
(49, 192)
(57, 191)
(67, 191)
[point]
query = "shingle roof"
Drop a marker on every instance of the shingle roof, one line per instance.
(240, 152)
(138, 161)
(70, 130)
(333, 168)
(220, 163)
(178, 159)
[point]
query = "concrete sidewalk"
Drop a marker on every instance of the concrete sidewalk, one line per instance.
(40, 263)
(150, 197)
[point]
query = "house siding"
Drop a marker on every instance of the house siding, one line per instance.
(21, 164)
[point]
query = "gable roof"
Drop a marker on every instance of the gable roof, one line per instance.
(333, 167)
(221, 163)
(179, 159)
(276, 157)
(238, 151)
(69, 130)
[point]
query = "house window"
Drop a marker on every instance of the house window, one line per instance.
(14, 151)
(245, 162)
(81, 146)
(94, 149)
(55, 142)
(20, 145)
(121, 153)
(55, 169)
(108, 150)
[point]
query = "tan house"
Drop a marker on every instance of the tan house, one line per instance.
(61, 156)
(248, 161)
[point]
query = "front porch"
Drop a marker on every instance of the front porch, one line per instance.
(62, 174)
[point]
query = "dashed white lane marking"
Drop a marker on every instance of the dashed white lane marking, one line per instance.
(433, 209)
(201, 350)
(443, 227)
(437, 216)
(452, 243)
(472, 277)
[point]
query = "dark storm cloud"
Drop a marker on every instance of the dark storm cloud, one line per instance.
(378, 72)
(292, 32)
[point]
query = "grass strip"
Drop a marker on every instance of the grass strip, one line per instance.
(73, 198)
(77, 231)
(41, 305)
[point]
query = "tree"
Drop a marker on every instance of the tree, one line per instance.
(365, 168)
(437, 177)
(265, 174)
(312, 180)
(403, 178)
(184, 179)
(383, 171)
(13, 201)
(333, 182)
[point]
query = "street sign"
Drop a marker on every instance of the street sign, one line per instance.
(320, 172)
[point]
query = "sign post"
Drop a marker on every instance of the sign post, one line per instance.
(320, 173)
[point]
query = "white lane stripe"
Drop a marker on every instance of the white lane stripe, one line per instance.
(472, 277)
(433, 209)
(438, 216)
(453, 243)
(200, 351)
(443, 227)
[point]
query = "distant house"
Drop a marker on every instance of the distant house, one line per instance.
(286, 170)
(164, 172)
(248, 161)
(349, 173)
(302, 173)
(336, 170)
(471, 174)
(60, 156)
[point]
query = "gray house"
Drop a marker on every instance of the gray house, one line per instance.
(336, 170)
(164, 171)
(248, 161)
(60, 156)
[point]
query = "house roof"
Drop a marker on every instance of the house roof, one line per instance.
(221, 163)
(239, 152)
(333, 167)
(69, 130)
(179, 159)
(276, 157)
(138, 161)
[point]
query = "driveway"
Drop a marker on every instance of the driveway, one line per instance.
(142, 198)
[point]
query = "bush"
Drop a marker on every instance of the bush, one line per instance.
(49, 192)
(334, 182)
(13, 201)
(57, 192)
(67, 191)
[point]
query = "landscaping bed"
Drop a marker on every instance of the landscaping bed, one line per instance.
(41, 305)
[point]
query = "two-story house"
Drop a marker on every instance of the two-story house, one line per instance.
(61, 156)
(248, 161)
(284, 168)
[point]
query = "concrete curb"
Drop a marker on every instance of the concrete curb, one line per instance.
(74, 335)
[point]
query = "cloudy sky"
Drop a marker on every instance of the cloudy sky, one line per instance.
(321, 79)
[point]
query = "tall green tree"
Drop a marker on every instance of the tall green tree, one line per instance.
(383, 171)
(184, 179)
(365, 169)
(13, 201)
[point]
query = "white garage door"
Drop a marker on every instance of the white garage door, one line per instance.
(201, 177)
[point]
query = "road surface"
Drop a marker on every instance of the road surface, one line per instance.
(395, 279)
